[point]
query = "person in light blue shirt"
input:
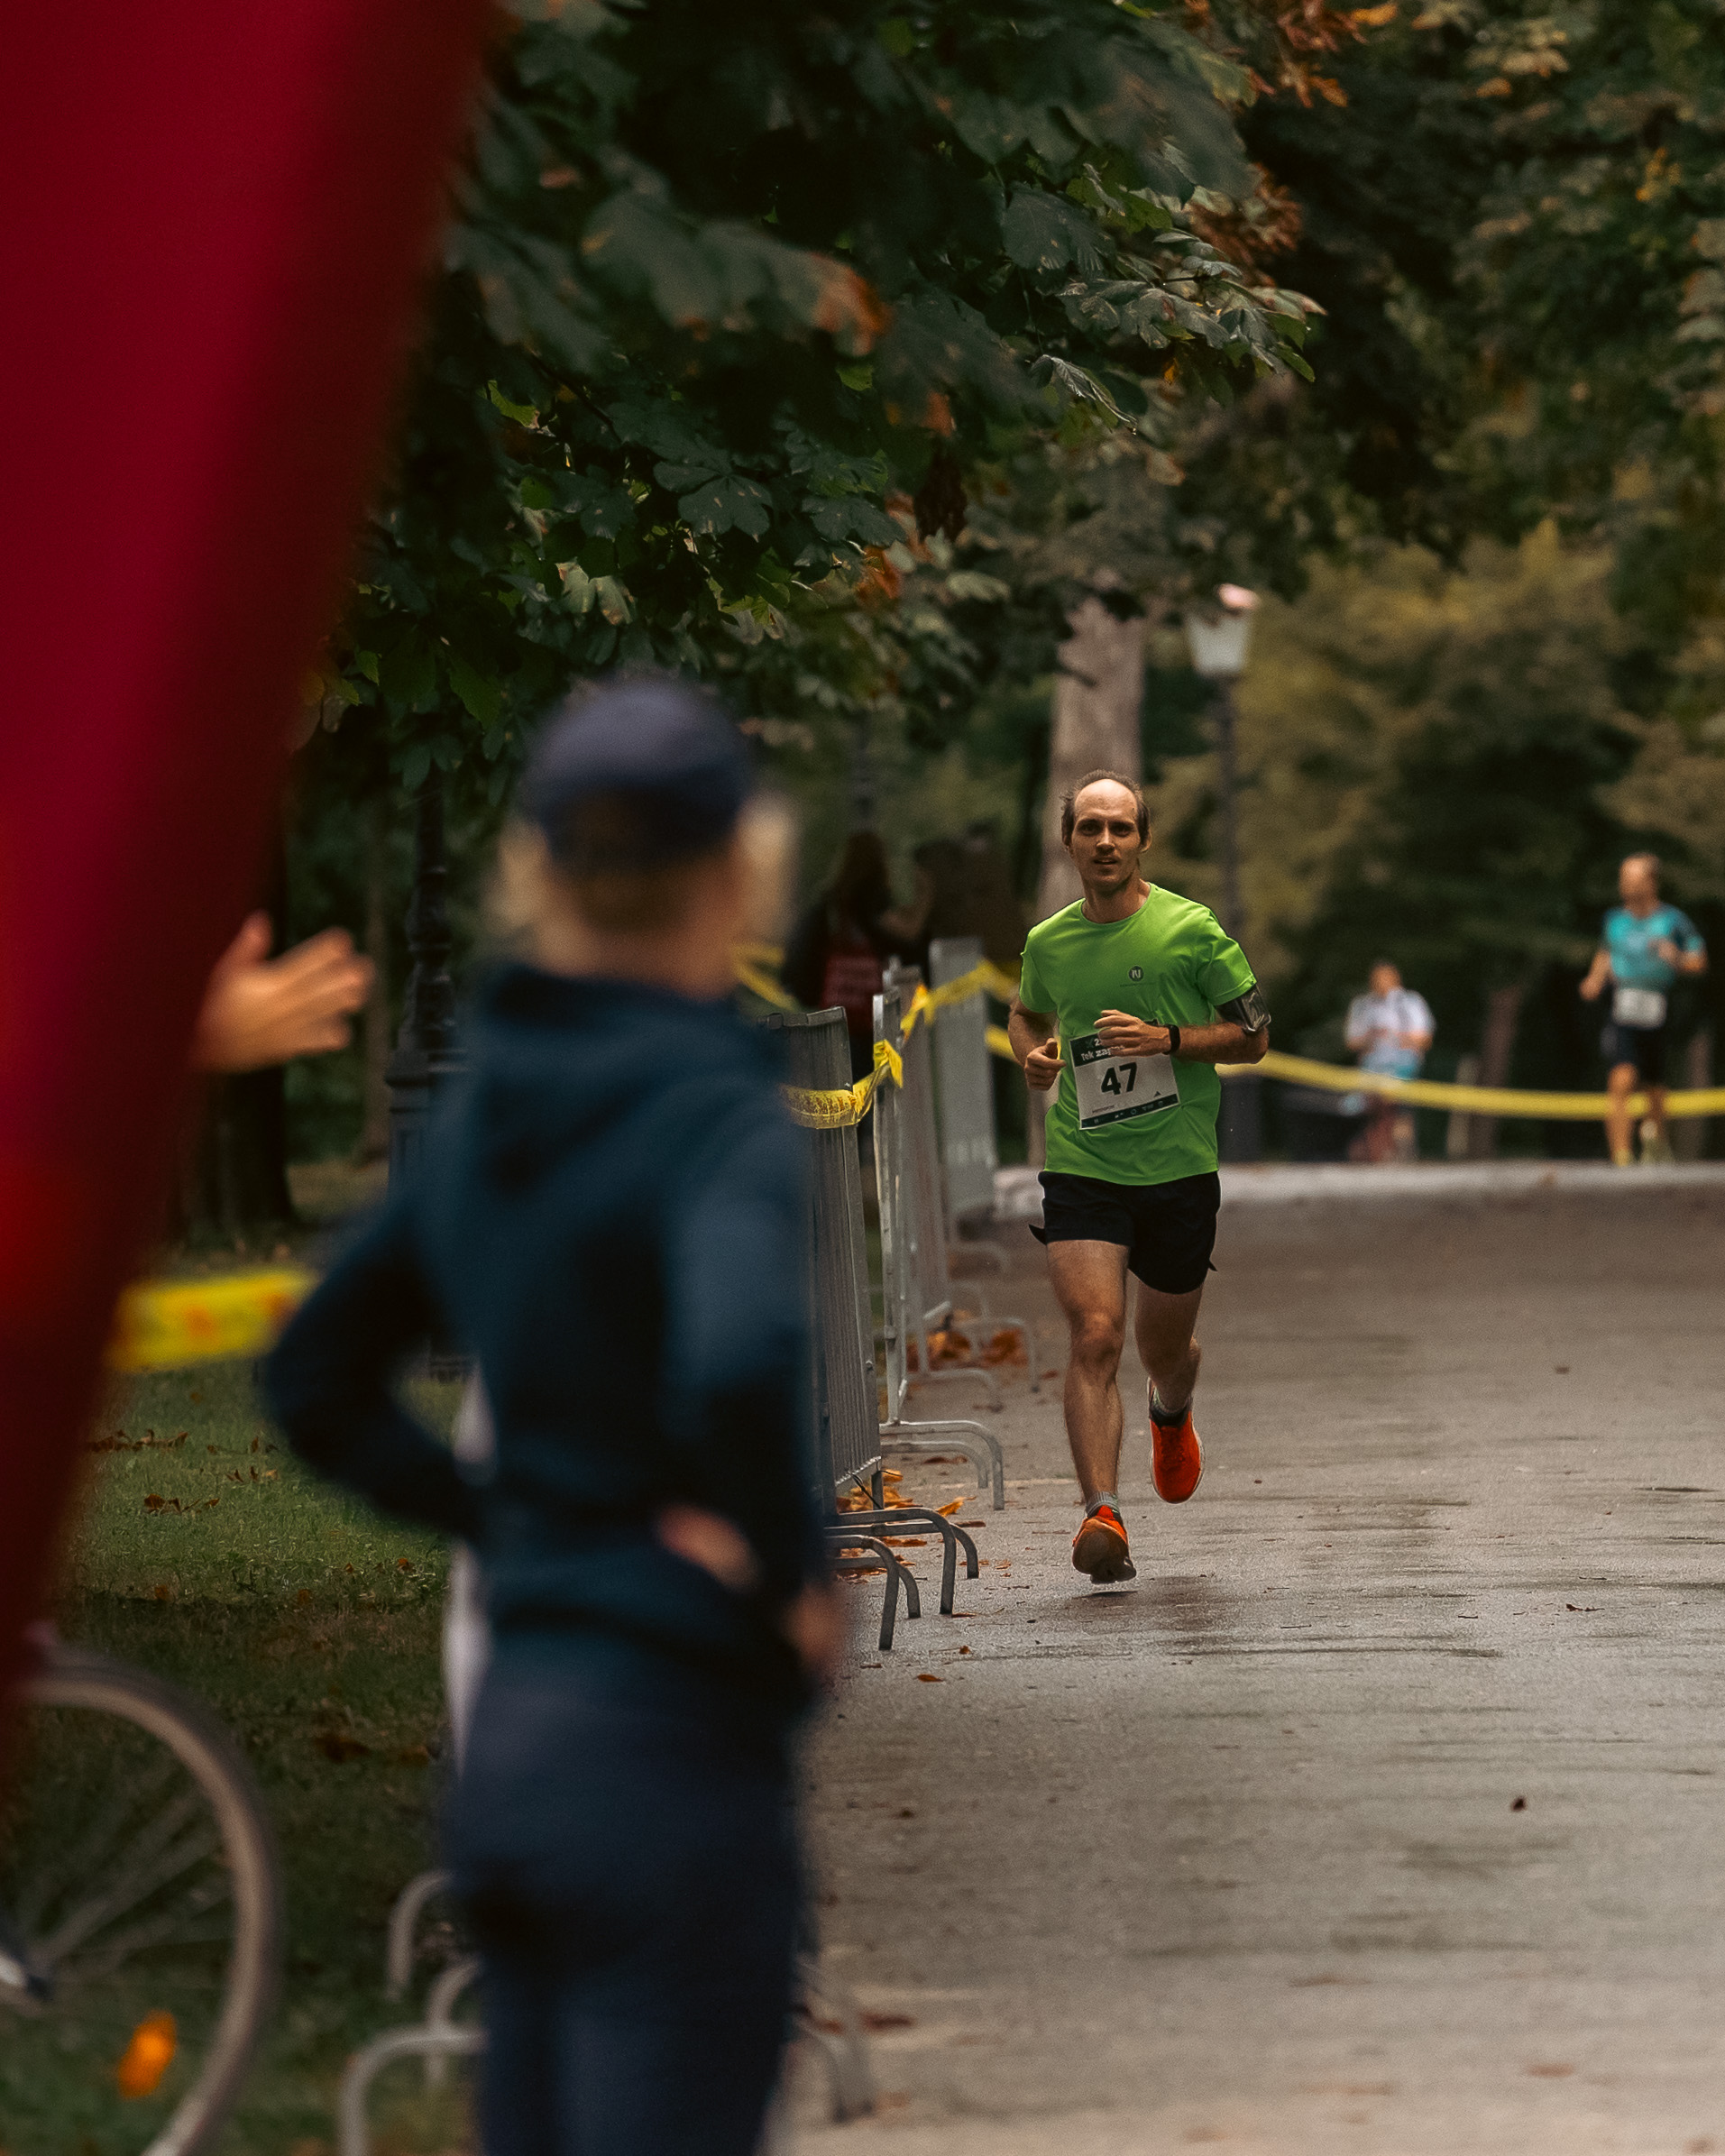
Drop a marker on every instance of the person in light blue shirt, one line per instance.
(1646, 945)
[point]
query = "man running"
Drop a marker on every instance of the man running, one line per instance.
(1148, 994)
(1644, 946)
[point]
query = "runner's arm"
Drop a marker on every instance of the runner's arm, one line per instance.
(1598, 974)
(1221, 1041)
(1690, 958)
(1033, 1037)
(330, 1383)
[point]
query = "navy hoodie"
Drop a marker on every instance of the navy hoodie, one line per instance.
(608, 1220)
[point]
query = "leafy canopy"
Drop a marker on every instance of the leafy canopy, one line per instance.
(722, 281)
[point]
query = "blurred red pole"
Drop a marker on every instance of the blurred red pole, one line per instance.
(217, 222)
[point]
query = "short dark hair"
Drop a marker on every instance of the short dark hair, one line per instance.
(1069, 815)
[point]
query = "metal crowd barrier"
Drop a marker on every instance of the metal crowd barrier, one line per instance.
(969, 1157)
(910, 1227)
(842, 1371)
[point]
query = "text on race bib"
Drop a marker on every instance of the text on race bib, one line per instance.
(1639, 1006)
(1113, 1088)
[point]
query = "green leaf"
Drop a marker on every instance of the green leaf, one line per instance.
(525, 414)
(366, 661)
(407, 675)
(726, 505)
(858, 375)
(482, 698)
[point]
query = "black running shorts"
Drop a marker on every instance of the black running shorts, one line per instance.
(1168, 1230)
(1642, 1045)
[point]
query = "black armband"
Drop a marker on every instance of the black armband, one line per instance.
(1249, 1012)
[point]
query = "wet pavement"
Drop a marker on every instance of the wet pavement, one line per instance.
(1385, 1811)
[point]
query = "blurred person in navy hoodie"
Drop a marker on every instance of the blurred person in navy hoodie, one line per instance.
(607, 1220)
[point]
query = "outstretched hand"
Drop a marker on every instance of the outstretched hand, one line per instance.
(259, 1010)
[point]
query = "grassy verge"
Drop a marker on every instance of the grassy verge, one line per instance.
(311, 1626)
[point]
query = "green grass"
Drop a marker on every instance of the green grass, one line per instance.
(310, 1625)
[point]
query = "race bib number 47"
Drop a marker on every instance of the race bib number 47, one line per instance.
(1110, 1089)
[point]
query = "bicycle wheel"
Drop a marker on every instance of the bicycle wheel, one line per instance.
(138, 1916)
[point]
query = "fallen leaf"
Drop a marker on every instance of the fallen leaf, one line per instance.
(927, 1676)
(964, 1650)
(875, 2023)
(1549, 2073)
(946, 1511)
(1584, 1609)
(1520, 1804)
(339, 1748)
(154, 1502)
(302, 1600)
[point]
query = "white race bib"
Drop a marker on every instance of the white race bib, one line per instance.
(1110, 1087)
(1639, 1006)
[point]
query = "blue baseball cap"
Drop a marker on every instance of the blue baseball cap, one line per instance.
(635, 775)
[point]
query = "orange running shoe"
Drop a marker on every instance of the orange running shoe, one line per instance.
(1176, 1459)
(1100, 1548)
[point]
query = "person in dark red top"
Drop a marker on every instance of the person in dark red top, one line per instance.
(836, 952)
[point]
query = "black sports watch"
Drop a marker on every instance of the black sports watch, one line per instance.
(1173, 1040)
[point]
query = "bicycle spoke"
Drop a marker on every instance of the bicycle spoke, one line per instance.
(90, 1854)
(165, 1930)
(124, 1896)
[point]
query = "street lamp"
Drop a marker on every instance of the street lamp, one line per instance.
(1218, 636)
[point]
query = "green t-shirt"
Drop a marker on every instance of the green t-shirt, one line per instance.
(1149, 1119)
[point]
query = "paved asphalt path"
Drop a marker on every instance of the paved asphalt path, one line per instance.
(1386, 1811)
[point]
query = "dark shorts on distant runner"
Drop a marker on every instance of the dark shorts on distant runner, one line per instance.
(1642, 1045)
(1168, 1230)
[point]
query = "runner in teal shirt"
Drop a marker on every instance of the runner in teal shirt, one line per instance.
(1645, 947)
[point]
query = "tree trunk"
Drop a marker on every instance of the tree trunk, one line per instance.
(1497, 1054)
(1098, 706)
(1097, 717)
(374, 1136)
(234, 1180)
(1689, 1136)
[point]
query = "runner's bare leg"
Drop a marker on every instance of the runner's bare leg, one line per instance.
(1620, 1082)
(1163, 1325)
(1089, 1281)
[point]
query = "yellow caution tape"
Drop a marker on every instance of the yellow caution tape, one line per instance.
(763, 984)
(163, 1325)
(1479, 1100)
